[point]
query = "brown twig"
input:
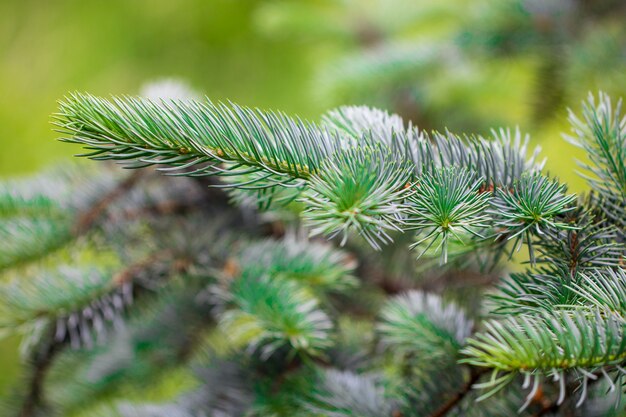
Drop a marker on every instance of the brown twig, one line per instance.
(87, 219)
(163, 208)
(127, 274)
(41, 363)
(475, 374)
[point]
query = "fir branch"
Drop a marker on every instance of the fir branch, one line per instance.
(23, 240)
(565, 257)
(345, 394)
(603, 289)
(36, 222)
(316, 265)
(259, 190)
(352, 173)
(271, 313)
(591, 245)
(360, 171)
(424, 384)
(183, 134)
(174, 342)
(527, 343)
(500, 161)
(17, 205)
(545, 290)
(549, 345)
(537, 291)
(54, 295)
(358, 121)
(421, 322)
(81, 304)
(602, 134)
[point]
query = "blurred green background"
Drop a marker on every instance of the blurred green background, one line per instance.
(463, 65)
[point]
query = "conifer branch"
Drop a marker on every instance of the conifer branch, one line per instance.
(184, 134)
(363, 172)
(421, 322)
(353, 173)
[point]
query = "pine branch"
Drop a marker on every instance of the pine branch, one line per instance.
(550, 345)
(345, 394)
(316, 265)
(183, 134)
(36, 221)
(357, 121)
(269, 313)
(603, 135)
(421, 322)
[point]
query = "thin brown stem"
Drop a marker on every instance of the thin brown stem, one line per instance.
(87, 219)
(41, 364)
(475, 374)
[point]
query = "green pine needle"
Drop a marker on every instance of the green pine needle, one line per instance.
(548, 345)
(315, 265)
(532, 206)
(361, 190)
(271, 313)
(447, 203)
(194, 138)
(420, 322)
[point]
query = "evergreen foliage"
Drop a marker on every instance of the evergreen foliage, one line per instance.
(262, 317)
